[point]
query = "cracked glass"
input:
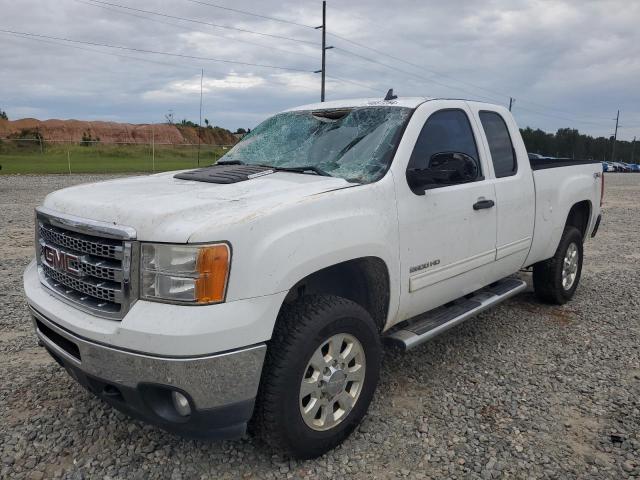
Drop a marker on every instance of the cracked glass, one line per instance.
(356, 144)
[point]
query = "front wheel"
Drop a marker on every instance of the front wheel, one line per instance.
(319, 376)
(555, 280)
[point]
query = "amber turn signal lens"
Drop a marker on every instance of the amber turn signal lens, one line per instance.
(213, 270)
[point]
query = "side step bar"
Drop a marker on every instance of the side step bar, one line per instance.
(426, 326)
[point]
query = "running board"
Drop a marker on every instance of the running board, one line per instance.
(426, 326)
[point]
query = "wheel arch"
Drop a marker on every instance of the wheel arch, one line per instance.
(579, 216)
(363, 280)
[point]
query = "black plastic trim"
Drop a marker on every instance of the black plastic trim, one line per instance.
(596, 226)
(223, 174)
(62, 342)
(544, 163)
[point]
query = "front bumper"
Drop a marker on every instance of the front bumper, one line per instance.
(221, 388)
(163, 329)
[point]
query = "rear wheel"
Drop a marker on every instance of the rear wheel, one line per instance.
(320, 373)
(555, 280)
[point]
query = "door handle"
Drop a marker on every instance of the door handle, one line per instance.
(480, 204)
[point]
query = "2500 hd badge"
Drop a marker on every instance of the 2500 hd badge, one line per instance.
(424, 266)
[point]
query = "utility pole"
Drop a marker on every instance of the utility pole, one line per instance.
(633, 150)
(324, 49)
(153, 148)
(511, 102)
(200, 122)
(615, 137)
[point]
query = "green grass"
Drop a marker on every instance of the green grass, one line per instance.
(102, 158)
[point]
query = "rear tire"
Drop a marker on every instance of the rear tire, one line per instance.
(319, 376)
(555, 280)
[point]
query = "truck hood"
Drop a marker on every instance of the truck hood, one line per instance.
(163, 208)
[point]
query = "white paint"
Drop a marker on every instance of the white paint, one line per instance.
(285, 226)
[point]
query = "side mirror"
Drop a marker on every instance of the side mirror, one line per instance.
(445, 168)
(419, 180)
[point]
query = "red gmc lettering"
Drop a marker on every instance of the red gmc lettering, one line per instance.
(60, 261)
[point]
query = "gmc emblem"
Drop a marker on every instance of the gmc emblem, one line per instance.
(61, 261)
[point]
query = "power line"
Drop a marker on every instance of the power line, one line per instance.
(155, 52)
(201, 22)
(101, 4)
(420, 67)
(335, 35)
(601, 119)
(343, 38)
(433, 72)
(104, 4)
(551, 115)
(352, 82)
(244, 12)
(407, 72)
(101, 52)
(140, 59)
(184, 27)
(371, 60)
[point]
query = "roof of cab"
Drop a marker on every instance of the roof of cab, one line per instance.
(408, 102)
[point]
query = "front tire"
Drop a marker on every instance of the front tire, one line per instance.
(320, 373)
(555, 280)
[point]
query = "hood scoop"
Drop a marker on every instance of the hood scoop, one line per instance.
(224, 174)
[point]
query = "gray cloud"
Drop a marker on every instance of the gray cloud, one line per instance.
(576, 62)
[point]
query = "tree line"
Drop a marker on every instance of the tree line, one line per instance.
(565, 143)
(570, 143)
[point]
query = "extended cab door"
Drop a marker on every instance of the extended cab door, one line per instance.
(447, 227)
(514, 188)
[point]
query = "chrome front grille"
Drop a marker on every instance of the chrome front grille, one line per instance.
(106, 272)
(101, 248)
(98, 290)
(89, 264)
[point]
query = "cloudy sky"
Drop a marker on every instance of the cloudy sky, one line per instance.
(567, 63)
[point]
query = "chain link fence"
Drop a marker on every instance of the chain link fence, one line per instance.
(37, 155)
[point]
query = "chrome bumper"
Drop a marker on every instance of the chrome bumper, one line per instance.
(210, 381)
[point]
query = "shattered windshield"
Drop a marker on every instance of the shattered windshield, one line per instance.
(356, 144)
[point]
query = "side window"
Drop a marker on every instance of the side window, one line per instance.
(503, 155)
(445, 153)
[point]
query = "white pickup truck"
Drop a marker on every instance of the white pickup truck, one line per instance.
(258, 291)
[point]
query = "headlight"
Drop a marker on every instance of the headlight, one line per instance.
(192, 274)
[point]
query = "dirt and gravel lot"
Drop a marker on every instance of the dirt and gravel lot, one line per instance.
(524, 391)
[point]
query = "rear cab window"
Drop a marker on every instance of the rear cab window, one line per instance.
(503, 155)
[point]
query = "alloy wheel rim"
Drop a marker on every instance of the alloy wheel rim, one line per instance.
(332, 382)
(570, 266)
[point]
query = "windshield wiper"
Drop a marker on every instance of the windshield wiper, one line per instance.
(307, 169)
(349, 146)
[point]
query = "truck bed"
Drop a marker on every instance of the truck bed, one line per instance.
(542, 163)
(556, 192)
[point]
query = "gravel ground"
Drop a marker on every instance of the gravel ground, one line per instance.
(524, 391)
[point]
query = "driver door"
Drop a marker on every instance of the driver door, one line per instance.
(447, 228)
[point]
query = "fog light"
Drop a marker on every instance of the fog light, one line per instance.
(181, 404)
